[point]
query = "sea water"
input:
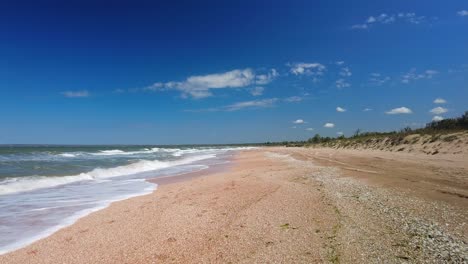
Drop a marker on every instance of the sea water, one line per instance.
(45, 188)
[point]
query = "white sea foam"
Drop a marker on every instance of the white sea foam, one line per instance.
(120, 152)
(112, 151)
(24, 184)
(67, 155)
(176, 152)
(70, 220)
(34, 197)
(109, 152)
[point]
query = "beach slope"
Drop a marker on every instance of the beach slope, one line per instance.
(289, 205)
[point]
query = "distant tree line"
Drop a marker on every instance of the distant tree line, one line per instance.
(443, 126)
(459, 123)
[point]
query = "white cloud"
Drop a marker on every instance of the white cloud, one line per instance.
(339, 62)
(339, 109)
(254, 104)
(399, 110)
(263, 79)
(293, 99)
(260, 103)
(378, 80)
(360, 26)
(315, 68)
(235, 78)
(385, 19)
(119, 91)
(430, 73)
(389, 19)
(440, 101)
(412, 75)
(309, 129)
(342, 83)
(340, 133)
(371, 19)
(412, 18)
(264, 103)
(154, 87)
(437, 118)
(329, 125)
(439, 110)
(76, 94)
(345, 72)
(367, 109)
(200, 86)
(256, 91)
(462, 13)
(299, 121)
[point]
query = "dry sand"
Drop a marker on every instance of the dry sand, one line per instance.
(283, 205)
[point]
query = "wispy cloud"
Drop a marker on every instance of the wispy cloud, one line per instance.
(360, 26)
(399, 110)
(299, 121)
(254, 104)
(293, 99)
(256, 91)
(384, 18)
(263, 79)
(458, 69)
(76, 94)
(263, 103)
(462, 13)
(378, 79)
(345, 72)
(340, 133)
(437, 118)
(367, 109)
(260, 103)
(340, 109)
(440, 101)
(438, 110)
(314, 69)
(329, 125)
(119, 91)
(412, 75)
(342, 83)
(310, 129)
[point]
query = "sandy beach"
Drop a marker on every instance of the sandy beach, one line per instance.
(282, 205)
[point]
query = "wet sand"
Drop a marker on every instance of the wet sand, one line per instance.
(287, 205)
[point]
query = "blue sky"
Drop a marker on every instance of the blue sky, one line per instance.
(142, 72)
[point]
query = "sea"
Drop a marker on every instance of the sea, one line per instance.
(45, 188)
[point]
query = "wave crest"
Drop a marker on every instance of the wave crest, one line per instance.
(24, 184)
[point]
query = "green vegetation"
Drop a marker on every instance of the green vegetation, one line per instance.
(393, 138)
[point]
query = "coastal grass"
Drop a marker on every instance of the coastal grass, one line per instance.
(447, 130)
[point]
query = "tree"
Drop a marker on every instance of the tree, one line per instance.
(316, 139)
(406, 130)
(357, 133)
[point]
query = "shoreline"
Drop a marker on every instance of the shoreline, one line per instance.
(216, 168)
(155, 182)
(279, 205)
